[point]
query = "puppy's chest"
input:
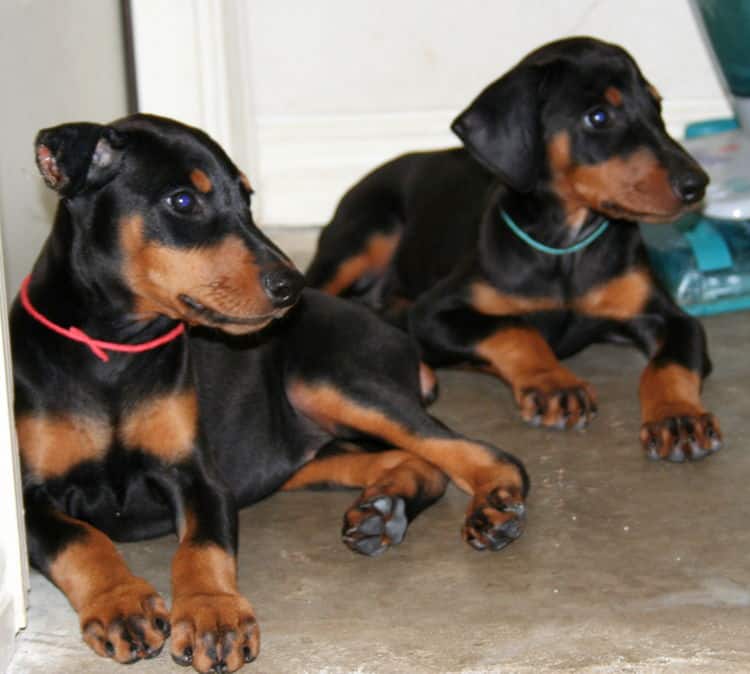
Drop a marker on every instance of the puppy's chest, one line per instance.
(161, 427)
(620, 297)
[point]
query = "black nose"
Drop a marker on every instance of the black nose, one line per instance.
(283, 286)
(690, 185)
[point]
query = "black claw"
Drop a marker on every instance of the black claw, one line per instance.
(109, 647)
(564, 404)
(162, 626)
(247, 654)
(186, 658)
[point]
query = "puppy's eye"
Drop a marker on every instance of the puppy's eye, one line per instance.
(183, 202)
(597, 118)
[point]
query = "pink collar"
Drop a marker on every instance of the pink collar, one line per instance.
(97, 346)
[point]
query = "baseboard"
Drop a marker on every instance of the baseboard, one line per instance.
(308, 162)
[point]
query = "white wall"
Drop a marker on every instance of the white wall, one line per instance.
(329, 89)
(338, 86)
(61, 62)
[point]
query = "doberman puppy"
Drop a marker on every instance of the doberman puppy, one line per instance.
(521, 248)
(163, 428)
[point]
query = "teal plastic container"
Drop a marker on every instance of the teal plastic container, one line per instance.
(726, 24)
(703, 263)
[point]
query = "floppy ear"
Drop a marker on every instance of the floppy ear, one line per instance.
(71, 157)
(502, 127)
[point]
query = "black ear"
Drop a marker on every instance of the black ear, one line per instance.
(502, 127)
(71, 157)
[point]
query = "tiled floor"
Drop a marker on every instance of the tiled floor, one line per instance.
(626, 565)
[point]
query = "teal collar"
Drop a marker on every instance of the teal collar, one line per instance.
(548, 249)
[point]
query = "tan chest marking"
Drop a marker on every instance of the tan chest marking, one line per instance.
(54, 444)
(621, 299)
(165, 426)
(487, 300)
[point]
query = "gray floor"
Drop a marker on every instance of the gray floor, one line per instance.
(626, 565)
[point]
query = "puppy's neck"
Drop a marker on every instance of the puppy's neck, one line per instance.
(74, 285)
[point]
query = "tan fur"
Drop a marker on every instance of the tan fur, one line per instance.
(523, 358)
(487, 300)
(613, 96)
(669, 391)
(51, 445)
(376, 255)
(638, 184)
(621, 298)
(201, 181)
(223, 277)
(164, 426)
(470, 465)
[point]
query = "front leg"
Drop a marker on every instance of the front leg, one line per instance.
(675, 425)
(213, 625)
(121, 615)
(457, 327)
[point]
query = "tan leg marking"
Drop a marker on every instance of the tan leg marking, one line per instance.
(547, 393)
(211, 620)
(675, 424)
(376, 255)
(109, 599)
(469, 464)
(52, 445)
(402, 471)
(669, 391)
(393, 482)
(164, 426)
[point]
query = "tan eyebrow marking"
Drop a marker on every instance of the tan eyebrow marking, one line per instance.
(613, 96)
(201, 181)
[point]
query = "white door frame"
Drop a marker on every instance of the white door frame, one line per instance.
(14, 578)
(192, 63)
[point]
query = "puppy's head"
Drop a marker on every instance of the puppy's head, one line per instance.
(160, 214)
(578, 115)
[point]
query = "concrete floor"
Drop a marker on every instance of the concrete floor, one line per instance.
(626, 565)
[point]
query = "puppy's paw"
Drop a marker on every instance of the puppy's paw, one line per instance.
(494, 520)
(214, 632)
(373, 525)
(127, 623)
(560, 408)
(677, 438)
